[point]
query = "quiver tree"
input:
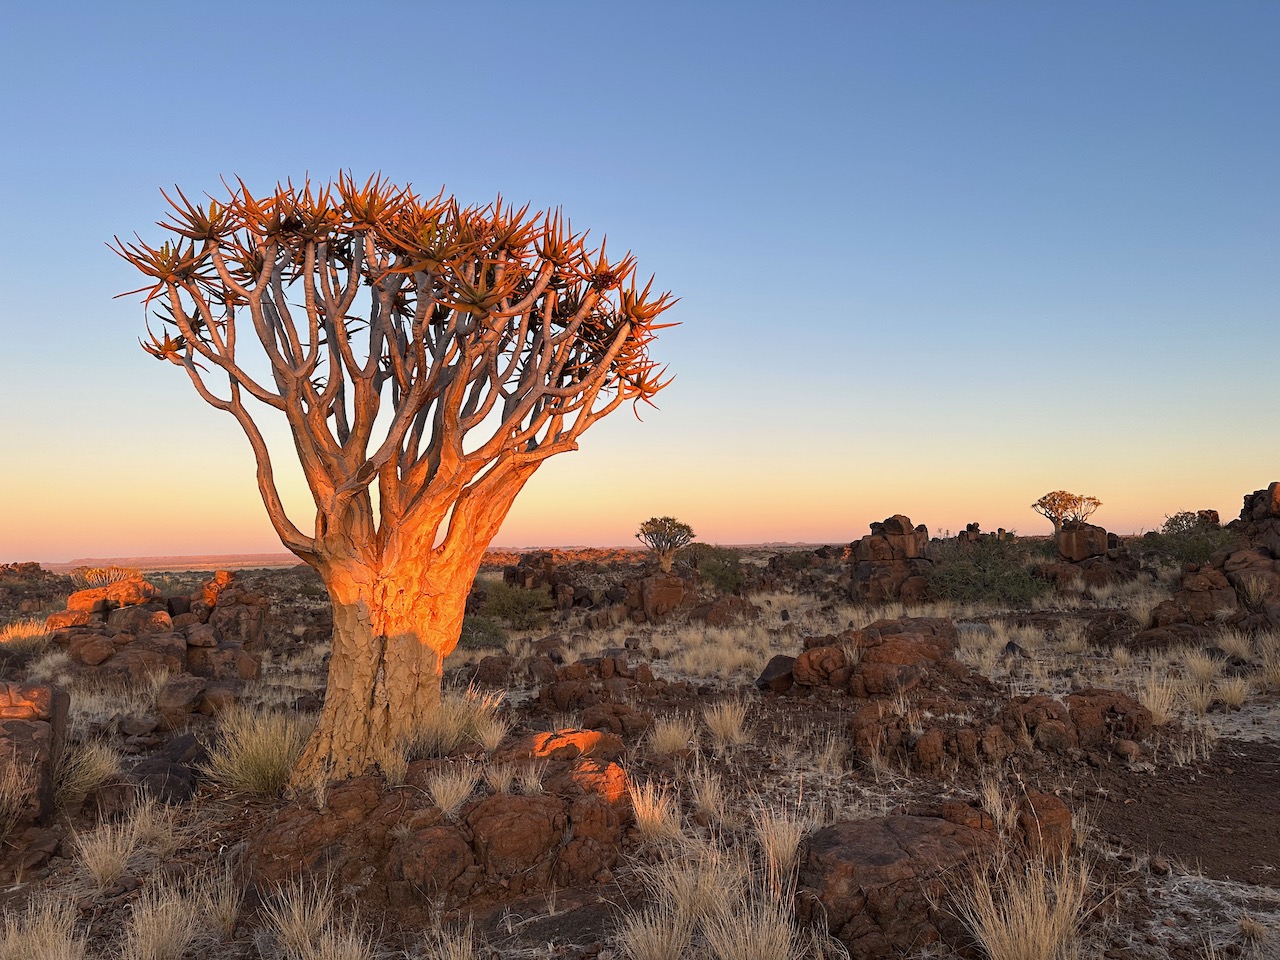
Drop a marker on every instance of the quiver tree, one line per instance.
(1060, 506)
(664, 536)
(427, 358)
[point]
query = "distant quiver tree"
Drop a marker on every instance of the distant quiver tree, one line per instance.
(1060, 506)
(427, 358)
(664, 536)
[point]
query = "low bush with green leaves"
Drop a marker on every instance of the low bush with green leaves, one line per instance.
(1187, 537)
(988, 570)
(719, 566)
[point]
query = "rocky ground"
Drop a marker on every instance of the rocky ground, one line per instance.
(655, 723)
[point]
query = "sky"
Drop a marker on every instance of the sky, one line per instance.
(932, 258)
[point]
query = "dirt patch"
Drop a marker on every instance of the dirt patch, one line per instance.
(1219, 817)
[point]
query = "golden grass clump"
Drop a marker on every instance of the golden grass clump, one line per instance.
(459, 944)
(25, 636)
(257, 751)
(1233, 691)
(162, 924)
(467, 717)
(45, 931)
(297, 914)
(778, 833)
(672, 734)
(450, 787)
(657, 812)
(1201, 667)
(85, 577)
(79, 771)
(1235, 643)
(1031, 912)
(726, 723)
(106, 851)
(1159, 694)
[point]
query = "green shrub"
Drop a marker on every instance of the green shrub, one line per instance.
(480, 633)
(1186, 537)
(719, 566)
(511, 606)
(990, 570)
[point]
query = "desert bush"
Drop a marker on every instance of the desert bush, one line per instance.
(988, 571)
(511, 606)
(719, 566)
(481, 633)
(1186, 537)
(256, 751)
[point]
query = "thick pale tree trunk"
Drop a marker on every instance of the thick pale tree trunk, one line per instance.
(391, 632)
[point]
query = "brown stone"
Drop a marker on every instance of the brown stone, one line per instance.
(124, 593)
(875, 883)
(818, 666)
(1044, 825)
(563, 745)
(140, 619)
(1078, 541)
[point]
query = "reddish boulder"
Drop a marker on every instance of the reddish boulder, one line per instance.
(563, 745)
(1078, 541)
(875, 883)
(123, 593)
(513, 836)
(1104, 716)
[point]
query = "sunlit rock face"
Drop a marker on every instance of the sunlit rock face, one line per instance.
(33, 719)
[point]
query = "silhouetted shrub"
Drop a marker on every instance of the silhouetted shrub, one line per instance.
(480, 633)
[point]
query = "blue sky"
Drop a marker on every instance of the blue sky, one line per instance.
(933, 258)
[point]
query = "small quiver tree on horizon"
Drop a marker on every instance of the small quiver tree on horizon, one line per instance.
(664, 536)
(427, 358)
(1060, 506)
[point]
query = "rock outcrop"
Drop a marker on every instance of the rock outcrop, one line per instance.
(889, 563)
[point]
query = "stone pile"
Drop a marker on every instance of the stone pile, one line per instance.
(1238, 586)
(889, 563)
(916, 704)
(207, 643)
(400, 850)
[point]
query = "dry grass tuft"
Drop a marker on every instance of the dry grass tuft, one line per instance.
(25, 636)
(220, 898)
(726, 723)
(162, 925)
(467, 717)
(458, 944)
(79, 771)
(46, 931)
(997, 802)
(1233, 691)
(106, 851)
(761, 930)
(1159, 694)
(1201, 667)
(652, 935)
(501, 777)
(1235, 643)
(673, 734)
(529, 776)
(778, 834)
(657, 812)
(256, 752)
(1031, 912)
(451, 786)
(1122, 657)
(298, 914)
